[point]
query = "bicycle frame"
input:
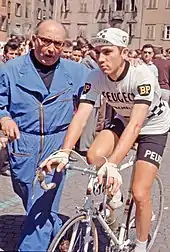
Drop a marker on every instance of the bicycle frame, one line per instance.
(91, 211)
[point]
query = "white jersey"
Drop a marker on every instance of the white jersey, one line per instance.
(136, 85)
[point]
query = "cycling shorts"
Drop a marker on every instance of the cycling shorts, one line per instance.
(150, 147)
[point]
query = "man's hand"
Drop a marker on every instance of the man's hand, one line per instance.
(60, 159)
(135, 62)
(3, 141)
(9, 128)
(114, 179)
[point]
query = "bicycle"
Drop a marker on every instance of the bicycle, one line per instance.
(81, 230)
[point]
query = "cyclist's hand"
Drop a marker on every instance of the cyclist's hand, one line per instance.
(10, 128)
(114, 179)
(56, 159)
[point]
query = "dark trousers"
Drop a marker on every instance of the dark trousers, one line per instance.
(4, 163)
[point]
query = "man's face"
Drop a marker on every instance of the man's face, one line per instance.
(147, 54)
(48, 46)
(11, 54)
(67, 52)
(109, 58)
(77, 55)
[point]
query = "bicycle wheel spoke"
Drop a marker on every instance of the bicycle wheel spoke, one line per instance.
(74, 233)
(73, 237)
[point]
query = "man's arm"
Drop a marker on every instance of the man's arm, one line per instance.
(77, 125)
(131, 132)
(8, 126)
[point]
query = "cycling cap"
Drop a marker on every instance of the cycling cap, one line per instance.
(111, 36)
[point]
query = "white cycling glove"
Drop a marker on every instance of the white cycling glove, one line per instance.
(59, 157)
(110, 170)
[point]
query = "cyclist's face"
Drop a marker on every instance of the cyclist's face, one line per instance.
(110, 58)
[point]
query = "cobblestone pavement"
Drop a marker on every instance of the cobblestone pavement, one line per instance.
(12, 213)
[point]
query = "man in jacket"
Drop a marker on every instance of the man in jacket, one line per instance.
(38, 96)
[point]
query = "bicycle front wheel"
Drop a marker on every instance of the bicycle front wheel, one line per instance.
(76, 235)
(157, 201)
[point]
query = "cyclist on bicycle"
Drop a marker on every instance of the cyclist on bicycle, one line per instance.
(142, 117)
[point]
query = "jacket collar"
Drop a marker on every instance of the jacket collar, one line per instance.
(30, 79)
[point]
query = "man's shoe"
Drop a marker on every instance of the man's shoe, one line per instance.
(6, 173)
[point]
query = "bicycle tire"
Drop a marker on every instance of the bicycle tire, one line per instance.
(68, 225)
(130, 220)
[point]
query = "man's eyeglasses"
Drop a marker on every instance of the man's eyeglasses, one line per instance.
(47, 42)
(145, 52)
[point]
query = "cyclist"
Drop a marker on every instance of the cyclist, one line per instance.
(143, 117)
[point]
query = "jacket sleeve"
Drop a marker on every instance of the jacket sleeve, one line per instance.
(4, 94)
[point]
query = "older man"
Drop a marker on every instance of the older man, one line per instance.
(40, 92)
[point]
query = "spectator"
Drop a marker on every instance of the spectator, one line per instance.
(89, 131)
(163, 67)
(67, 49)
(83, 44)
(43, 96)
(11, 50)
(168, 53)
(77, 54)
(132, 54)
(147, 57)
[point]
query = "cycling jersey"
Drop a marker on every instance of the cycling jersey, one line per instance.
(136, 85)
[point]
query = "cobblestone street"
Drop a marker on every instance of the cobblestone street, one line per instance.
(12, 213)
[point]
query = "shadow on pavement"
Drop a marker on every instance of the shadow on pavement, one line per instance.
(10, 231)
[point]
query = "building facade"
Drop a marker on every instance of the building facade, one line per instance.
(23, 15)
(155, 25)
(146, 21)
(3, 20)
(87, 17)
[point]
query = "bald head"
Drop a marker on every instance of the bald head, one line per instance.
(49, 27)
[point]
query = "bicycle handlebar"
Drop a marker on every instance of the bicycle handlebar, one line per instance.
(91, 170)
(41, 175)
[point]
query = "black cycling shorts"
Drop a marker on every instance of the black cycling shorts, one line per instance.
(150, 147)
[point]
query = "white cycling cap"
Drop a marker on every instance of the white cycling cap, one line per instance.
(111, 36)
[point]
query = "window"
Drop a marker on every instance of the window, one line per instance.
(27, 9)
(3, 3)
(119, 5)
(150, 32)
(104, 4)
(18, 10)
(65, 7)
(102, 25)
(153, 4)
(167, 32)
(67, 28)
(3, 25)
(168, 4)
(9, 7)
(83, 6)
(44, 14)
(82, 30)
(39, 14)
(51, 14)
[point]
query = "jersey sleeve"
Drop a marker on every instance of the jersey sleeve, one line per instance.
(144, 87)
(91, 90)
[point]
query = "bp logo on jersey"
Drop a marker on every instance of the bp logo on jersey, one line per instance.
(144, 89)
(86, 88)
